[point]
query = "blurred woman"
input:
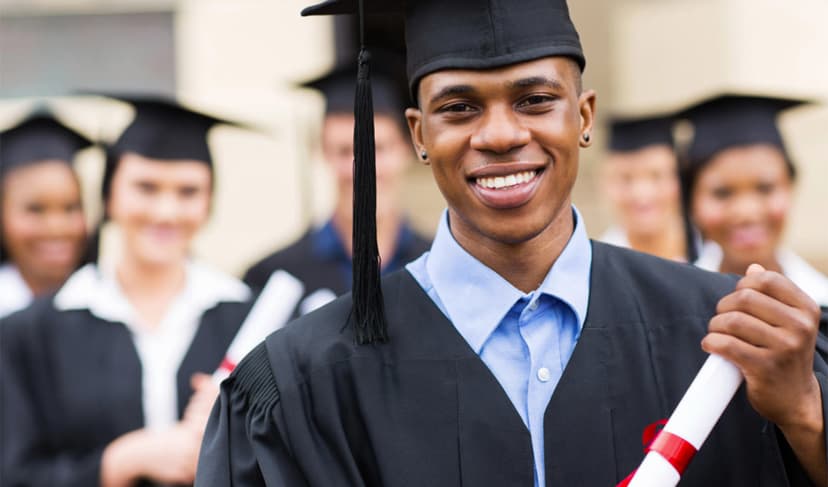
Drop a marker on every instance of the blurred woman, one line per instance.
(641, 181)
(105, 383)
(42, 227)
(740, 181)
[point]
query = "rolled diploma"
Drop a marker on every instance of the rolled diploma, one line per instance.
(272, 309)
(693, 419)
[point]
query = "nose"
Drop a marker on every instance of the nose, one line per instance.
(746, 208)
(165, 207)
(500, 131)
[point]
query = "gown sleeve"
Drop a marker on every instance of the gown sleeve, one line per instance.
(28, 459)
(244, 443)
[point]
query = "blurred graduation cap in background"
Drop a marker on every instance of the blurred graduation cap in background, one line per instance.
(37, 138)
(731, 121)
(387, 85)
(165, 129)
(632, 134)
(439, 34)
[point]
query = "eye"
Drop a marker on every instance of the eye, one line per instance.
(458, 107)
(146, 187)
(188, 191)
(722, 193)
(765, 188)
(35, 208)
(534, 100)
(72, 208)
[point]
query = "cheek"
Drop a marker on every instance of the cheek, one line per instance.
(708, 215)
(778, 206)
(19, 228)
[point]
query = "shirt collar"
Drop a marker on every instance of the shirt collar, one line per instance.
(476, 298)
(98, 291)
(15, 292)
(327, 242)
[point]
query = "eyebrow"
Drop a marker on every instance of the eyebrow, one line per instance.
(452, 90)
(535, 81)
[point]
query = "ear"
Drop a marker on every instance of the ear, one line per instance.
(414, 117)
(586, 107)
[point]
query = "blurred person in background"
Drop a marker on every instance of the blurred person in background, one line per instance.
(640, 179)
(105, 383)
(321, 258)
(739, 181)
(42, 226)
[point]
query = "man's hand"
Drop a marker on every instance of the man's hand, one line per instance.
(767, 327)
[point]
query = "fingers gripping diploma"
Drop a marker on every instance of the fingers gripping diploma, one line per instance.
(767, 327)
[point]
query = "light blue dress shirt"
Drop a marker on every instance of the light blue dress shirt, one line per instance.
(525, 339)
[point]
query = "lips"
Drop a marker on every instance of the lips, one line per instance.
(748, 237)
(55, 251)
(506, 185)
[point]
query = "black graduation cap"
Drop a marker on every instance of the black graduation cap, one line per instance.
(164, 129)
(387, 79)
(731, 121)
(440, 34)
(472, 34)
(627, 135)
(39, 137)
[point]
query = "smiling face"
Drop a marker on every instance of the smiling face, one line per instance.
(643, 189)
(159, 206)
(741, 200)
(43, 225)
(503, 147)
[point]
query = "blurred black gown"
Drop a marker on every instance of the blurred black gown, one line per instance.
(72, 383)
(310, 408)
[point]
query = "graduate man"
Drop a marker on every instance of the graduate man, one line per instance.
(516, 352)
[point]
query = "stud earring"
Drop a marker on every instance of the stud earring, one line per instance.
(586, 137)
(424, 155)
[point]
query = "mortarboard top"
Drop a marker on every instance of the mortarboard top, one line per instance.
(387, 81)
(472, 34)
(38, 138)
(731, 121)
(627, 135)
(164, 129)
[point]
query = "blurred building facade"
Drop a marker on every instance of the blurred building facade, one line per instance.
(243, 59)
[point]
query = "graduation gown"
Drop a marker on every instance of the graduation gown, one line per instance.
(325, 273)
(310, 408)
(72, 383)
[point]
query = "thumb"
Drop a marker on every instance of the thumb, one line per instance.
(754, 269)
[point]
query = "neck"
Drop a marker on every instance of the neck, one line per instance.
(388, 229)
(150, 288)
(524, 264)
(668, 244)
(39, 286)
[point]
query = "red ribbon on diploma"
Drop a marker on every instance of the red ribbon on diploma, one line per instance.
(227, 365)
(676, 450)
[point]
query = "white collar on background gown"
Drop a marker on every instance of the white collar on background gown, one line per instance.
(162, 348)
(810, 280)
(14, 293)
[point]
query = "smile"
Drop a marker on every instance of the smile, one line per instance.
(504, 186)
(506, 182)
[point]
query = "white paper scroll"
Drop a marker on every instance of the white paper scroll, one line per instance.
(271, 311)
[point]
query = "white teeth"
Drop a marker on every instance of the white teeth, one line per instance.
(500, 182)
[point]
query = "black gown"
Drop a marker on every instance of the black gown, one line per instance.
(71, 384)
(310, 408)
(326, 270)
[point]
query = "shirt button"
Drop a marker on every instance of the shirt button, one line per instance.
(544, 375)
(533, 305)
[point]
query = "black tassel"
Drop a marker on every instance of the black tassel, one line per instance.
(368, 309)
